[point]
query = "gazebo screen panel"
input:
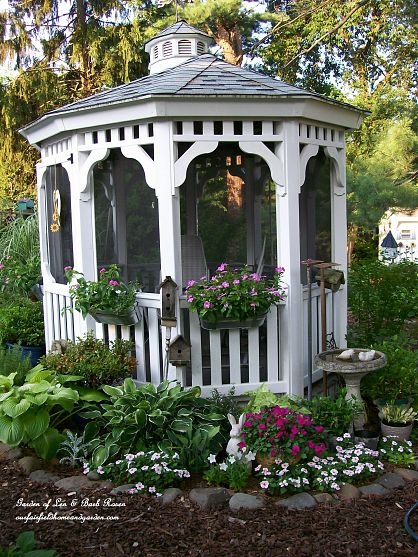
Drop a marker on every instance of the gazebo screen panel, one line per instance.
(315, 211)
(59, 231)
(126, 220)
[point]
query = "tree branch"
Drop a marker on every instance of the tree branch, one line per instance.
(328, 33)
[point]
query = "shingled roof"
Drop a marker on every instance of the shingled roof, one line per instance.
(205, 76)
(179, 28)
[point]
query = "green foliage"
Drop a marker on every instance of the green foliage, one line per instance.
(380, 298)
(93, 360)
(167, 416)
(233, 473)
(335, 415)
(225, 404)
(396, 451)
(399, 379)
(12, 360)
(31, 413)
(21, 322)
(394, 414)
(72, 450)
(25, 546)
(108, 293)
(262, 398)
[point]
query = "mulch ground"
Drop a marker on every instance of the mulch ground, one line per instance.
(370, 527)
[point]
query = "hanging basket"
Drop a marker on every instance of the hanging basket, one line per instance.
(131, 317)
(249, 323)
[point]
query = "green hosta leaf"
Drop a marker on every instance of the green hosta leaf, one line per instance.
(157, 418)
(11, 430)
(100, 455)
(39, 399)
(129, 385)
(91, 414)
(140, 418)
(7, 382)
(184, 412)
(183, 425)
(14, 407)
(47, 444)
(37, 374)
(36, 387)
(112, 391)
(4, 396)
(91, 395)
(35, 422)
(91, 431)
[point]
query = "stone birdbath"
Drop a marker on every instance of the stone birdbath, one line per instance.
(352, 370)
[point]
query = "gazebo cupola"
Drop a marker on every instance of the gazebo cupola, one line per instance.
(175, 45)
(200, 162)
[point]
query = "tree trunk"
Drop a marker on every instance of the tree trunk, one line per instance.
(230, 42)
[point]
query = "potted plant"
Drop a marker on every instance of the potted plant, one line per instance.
(107, 300)
(22, 323)
(397, 421)
(234, 298)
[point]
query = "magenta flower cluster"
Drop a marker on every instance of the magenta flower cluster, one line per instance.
(281, 432)
(234, 293)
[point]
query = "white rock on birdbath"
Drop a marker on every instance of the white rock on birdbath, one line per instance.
(346, 355)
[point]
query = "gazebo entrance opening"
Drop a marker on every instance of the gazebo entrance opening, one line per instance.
(228, 202)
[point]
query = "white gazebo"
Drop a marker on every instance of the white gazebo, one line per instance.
(198, 163)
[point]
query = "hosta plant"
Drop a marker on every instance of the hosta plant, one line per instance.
(32, 413)
(167, 416)
(397, 415)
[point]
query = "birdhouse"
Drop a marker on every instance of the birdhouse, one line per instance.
(168, 302)
(179, 352)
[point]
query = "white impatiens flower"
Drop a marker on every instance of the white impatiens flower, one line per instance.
(223, 466)
(264, 484)
(212, 459)
(129, 457)
(132, 470)
(139, 486)
(250, 456)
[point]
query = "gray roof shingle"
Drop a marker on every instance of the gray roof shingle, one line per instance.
(179, 28)
(203, 75)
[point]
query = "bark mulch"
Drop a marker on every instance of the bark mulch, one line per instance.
(370, 527)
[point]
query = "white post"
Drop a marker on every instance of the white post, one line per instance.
(83, 228)
(339, 243)
(288, 256)
(169, 215)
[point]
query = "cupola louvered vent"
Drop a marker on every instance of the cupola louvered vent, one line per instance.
(155, 52)
(167, 49)
(185, 46)
(200, 49)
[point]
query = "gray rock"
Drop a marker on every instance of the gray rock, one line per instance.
(29, 464)
(4, 448)
(407, 474)
(348, 491)
(210, 497)
(122, 489)
(299, 501)
(43, 477)
(373, 489)
(391, 480)
(74, 483)
(325, 498)
(171, 495)
(245, 501)
(13, 454)
(93, 476)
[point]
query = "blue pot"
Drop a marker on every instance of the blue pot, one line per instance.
(33, 352)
